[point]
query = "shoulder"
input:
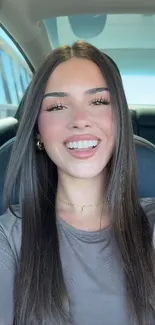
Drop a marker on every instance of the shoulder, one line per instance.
(148, 205)
(10, 222)
(10, 232)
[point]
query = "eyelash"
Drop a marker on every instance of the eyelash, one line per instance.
(97, 101)
(54, 107)
(100, 101)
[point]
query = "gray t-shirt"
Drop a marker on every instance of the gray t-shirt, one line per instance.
(93, 276)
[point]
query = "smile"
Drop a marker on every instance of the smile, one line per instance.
(83, 149)
(85, 144)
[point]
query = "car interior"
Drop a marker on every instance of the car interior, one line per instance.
(124, 30)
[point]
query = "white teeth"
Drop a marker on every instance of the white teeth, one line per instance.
(82, 144)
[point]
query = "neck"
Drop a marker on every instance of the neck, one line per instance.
(81, 202)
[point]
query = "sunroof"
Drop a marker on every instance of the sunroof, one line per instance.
(129, 39)
(104, 31)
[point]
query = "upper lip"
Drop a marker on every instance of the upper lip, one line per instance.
(81, 137)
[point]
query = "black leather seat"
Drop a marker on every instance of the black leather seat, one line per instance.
(133, 115)
(8, 129)
(145, 152)
(143, 122)
(5, 151)
(146, 123)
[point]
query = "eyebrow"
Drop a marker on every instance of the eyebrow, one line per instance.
(96, 90)
(64, 94)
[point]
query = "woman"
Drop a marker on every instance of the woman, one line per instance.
(78, 249)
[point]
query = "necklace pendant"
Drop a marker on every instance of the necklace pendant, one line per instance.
(82, 208)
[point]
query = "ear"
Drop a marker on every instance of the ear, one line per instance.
(38, 137)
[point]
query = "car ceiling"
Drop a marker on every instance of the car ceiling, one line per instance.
(23, 19)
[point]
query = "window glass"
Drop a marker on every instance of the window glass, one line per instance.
(15, 76)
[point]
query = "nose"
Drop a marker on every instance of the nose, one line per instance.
(80, 119)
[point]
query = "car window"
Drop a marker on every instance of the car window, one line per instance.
(127, 38)
(15, 76)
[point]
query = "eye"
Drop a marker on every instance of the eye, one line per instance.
(100, 101)
(55, 107)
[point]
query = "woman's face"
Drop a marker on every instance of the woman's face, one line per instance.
(76, 122)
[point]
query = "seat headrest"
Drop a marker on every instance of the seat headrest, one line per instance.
(145, 153)
(5, 151)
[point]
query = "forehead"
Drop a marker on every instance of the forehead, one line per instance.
(76, 72)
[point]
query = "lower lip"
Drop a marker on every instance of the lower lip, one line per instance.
(83, 153)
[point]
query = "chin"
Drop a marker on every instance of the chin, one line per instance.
(84, 173)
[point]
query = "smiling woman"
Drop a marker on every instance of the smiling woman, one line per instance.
(79, 245)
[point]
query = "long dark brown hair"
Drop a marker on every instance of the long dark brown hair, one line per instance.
(40, 293)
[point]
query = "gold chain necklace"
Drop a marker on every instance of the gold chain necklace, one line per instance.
(79, 206)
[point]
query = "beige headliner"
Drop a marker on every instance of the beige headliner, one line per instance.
(22, 18)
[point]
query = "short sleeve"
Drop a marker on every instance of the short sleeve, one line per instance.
(148, 205)
(7, 274)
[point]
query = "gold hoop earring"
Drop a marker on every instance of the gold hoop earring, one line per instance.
(40, 145)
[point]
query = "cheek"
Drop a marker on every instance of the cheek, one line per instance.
(50, 127)
(106, 123)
